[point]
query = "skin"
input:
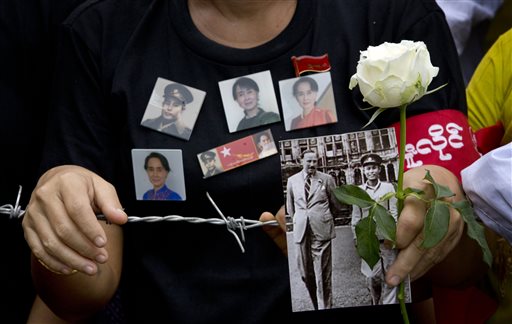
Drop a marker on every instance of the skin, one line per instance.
(306, 97)
(455, 261)
(172, 110)
(371, 171)
(309, 163)
(62, 230)
(209, 164)
(157, 174)
(247, 99)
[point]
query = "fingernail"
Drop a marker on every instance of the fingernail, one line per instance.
(89, 269)
(99, 241)
(101, 258)
(394, 281)
(121, 211)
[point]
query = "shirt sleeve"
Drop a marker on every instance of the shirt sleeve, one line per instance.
(487, 184)
(79, 109)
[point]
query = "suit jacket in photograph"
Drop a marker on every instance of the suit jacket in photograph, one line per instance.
(318, 210)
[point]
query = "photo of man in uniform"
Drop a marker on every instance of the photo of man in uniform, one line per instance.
(210, 164)
(375, 278)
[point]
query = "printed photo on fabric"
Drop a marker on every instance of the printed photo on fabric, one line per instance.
(308, 101)
(237, 153)
(326, 270)
(158, 174)
(173, 108)
(249, 101)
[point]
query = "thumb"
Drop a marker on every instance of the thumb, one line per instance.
(276, 233)
(107, 202)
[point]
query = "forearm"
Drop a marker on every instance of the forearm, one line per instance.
(79, 296)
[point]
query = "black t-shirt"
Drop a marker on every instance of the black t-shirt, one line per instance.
(27, 53)
(111, 56)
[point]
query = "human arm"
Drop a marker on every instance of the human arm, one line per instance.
(455, 260)
(63, 232)
(40, 313)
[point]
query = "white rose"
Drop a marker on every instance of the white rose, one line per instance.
(391, 75)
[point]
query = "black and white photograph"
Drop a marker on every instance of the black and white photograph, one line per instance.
(325, 268)
(173, 108)
(308, 101)
(249, 101)
(158, 174)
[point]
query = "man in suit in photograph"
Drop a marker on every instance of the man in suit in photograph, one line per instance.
(311, 203)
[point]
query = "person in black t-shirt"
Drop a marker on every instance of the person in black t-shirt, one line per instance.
(28, 36)
(111, 54)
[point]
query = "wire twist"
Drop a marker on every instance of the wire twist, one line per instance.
(13, 211)
(232, 224)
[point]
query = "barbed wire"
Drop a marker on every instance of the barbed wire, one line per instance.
(232, 224)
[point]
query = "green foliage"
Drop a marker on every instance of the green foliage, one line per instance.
(386, 224)
(379, 220)
(367, 242)
(440, 191)
(475, 230)
(437, 220)
(353, 195)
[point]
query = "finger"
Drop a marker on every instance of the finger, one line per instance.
(46, 260)
(281, 218)
(276, 233)
(76, 191)
(405, 262)
(410, 222)
(72, 218)
(62, 240)
(107, 201)
(439, 252)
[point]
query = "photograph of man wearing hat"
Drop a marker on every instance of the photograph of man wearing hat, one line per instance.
(380, 292)
(176, 97)
(209, 162)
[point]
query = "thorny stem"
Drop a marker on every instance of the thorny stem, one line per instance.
(400, 201)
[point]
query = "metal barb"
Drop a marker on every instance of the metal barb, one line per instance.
(231, 223)
(13, 211)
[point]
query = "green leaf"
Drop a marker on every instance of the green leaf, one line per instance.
(367, 242)
(475, 230)
(375, 114)
(434, 90)
(436, 223)
(440, 190)
(386, 224)
(353, 195)
(411, 192)
(387, 196)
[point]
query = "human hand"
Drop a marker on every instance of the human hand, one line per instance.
(60, 221)
(276, 233)
(413, 259)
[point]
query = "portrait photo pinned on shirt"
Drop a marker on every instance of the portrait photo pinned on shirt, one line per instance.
(249, 101)
(265, 144)
(158, 174)
(308, 101)
(173, 108)
(210, 164)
